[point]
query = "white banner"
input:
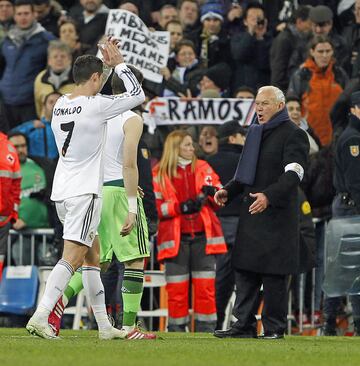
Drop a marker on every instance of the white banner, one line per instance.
(175, 111)
(148, 51)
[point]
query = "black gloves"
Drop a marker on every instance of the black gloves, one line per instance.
(40, 195)
(209, 190)
(190, 206)
(152, 226)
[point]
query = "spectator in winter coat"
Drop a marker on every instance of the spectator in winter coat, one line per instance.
(318, 83)
(6, 17)
(69, 34)
(57, 77)
(24, 50)
(351, 35)
(189, 16)
(187, 72)
(40, 138)
(91, 21)
(322, 24)
(167, 13)
(216, 78)
(251, 50)
(293, 106)
(48, 14)
(211, 41)
(288, 49)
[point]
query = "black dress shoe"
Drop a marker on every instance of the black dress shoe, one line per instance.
(271, 336)
(233, 333)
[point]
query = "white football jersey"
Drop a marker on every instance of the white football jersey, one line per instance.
(114, 147)
(79, 127)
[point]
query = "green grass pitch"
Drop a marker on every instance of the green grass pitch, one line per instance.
(82, 348)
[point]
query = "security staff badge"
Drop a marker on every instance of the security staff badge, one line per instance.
(354, 150)
(145, 153)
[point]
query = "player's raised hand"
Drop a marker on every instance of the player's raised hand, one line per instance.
(129, 224)
(111, 53)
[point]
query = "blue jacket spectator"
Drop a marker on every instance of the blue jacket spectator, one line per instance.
(25, 52)
(41, 141)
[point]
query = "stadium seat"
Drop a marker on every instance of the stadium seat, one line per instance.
(18, 290)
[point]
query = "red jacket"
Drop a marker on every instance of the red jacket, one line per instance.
(10, 179)
(167, 204)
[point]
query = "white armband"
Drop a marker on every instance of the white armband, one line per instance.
(132, 202)
(296, 168)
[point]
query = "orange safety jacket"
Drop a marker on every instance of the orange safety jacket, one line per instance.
(168, 241)
(10, 179)
(317, 101)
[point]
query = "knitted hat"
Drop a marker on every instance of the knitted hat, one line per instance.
(220, 75)
(212, 9)
(321, 14)
(231, 128)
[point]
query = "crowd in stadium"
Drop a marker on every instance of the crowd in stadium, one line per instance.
(310, 49)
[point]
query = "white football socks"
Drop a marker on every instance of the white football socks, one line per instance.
(95, 294)
(55, 286)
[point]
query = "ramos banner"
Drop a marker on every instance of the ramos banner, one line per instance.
(148, 51)
(175, 111)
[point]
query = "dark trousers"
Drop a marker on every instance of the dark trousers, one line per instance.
(112, 280)
(4, 233)
(274, 313)
(225, 276)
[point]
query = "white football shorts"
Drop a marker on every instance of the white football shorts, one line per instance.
(80, 217)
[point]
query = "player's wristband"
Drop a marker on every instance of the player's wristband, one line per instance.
(132, 201)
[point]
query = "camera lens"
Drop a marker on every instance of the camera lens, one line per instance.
(260, 21)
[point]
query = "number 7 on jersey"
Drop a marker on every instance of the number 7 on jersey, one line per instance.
(67, 127)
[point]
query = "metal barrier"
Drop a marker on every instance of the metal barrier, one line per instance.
(43, 237)
(44, 234)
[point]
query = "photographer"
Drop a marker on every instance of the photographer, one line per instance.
(251, 49)
(189, 232)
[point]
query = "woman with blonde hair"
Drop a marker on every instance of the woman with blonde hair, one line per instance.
(189, 231)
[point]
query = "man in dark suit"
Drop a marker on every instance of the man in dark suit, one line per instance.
(267, 241)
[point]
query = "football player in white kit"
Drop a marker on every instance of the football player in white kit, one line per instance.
(123, 229)
(79, 125)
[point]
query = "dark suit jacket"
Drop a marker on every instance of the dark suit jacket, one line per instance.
(268, 242)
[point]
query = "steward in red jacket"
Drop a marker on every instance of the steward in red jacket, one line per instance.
(189, 231)
(10, 179)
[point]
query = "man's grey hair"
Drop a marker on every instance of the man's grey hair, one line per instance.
(59, 46)
(279, 95)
